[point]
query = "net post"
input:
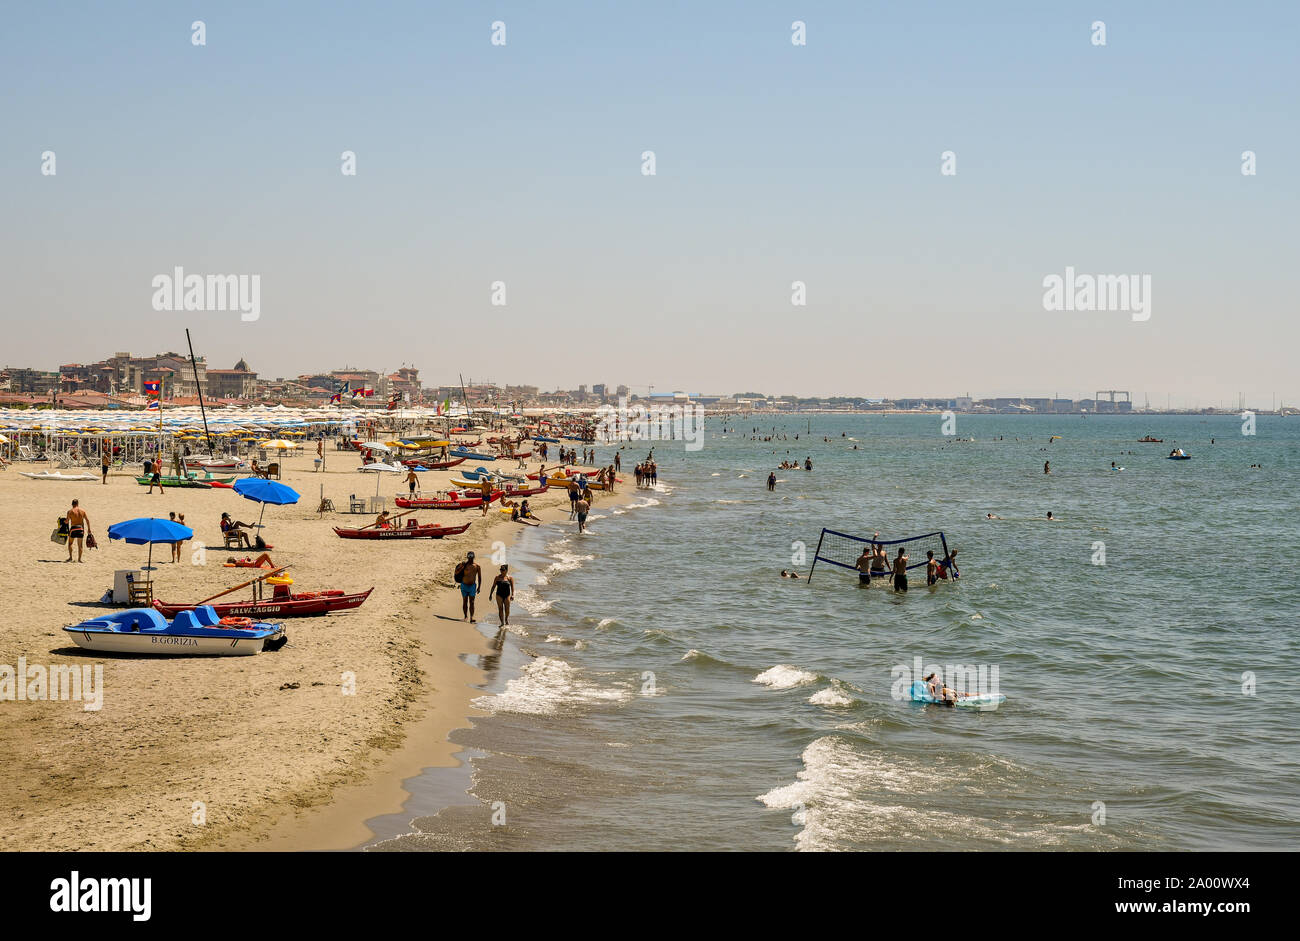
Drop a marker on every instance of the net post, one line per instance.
(816, 552)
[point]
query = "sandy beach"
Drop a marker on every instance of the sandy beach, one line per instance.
(268, 752)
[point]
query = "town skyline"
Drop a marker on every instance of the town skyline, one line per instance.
(123, 375)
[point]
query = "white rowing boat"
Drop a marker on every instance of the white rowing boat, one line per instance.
(55, 475)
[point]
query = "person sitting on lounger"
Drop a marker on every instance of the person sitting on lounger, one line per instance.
(233, 529)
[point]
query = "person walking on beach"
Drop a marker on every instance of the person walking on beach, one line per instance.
(470, 579)
(582, 507)
(176, 546)
(618, 462)
(155, 475)
(900, 571)
(78, 526)
(412, 481)
(103, 465)
(573, 499)
(771, 481)
(503, 590)
(485, 490)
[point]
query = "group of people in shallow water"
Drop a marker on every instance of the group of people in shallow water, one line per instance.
(647, 474)
(875, 563)
(794, 465)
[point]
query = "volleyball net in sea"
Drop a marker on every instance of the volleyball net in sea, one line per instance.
(843, 550)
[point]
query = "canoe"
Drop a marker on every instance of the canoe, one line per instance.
(434, 465)
(564, 482)
(445, 503)
(526, 491)
(195, 633)
(210, 466)
(56, 475)
(182, 482)
(428, 531)
(299, 605)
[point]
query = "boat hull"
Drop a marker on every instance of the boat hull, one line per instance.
(460, 503)
(281, 608)
(169, 645)
(434, 465)
(408, 532)
(190, 634)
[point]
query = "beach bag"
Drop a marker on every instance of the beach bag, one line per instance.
(90, 541)
(460, 570)
(60, 534)
(259, 543)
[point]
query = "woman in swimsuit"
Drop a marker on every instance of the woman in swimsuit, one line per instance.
(503, 589)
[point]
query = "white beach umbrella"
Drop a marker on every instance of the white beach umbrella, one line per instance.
(381, 468)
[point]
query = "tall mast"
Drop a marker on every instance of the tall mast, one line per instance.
(202, 411)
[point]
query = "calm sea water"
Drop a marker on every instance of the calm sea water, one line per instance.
(665, 689)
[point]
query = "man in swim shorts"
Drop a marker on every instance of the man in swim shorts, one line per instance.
(582, 507)
(78, 521)
(931, 568)
(470, 578)
(900, 571)
(863, 565)
(879, 561)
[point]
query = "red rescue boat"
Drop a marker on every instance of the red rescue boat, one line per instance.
(434, 465)
(412, 530)
(454, 501)
(301, 604)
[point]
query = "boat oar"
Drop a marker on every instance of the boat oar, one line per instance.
(396, 516)
(244, 585)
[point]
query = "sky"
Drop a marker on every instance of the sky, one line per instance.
(775, 163)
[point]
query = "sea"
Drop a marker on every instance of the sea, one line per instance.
(664, 688)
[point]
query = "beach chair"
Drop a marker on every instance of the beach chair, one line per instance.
(139, 594)
(356, 504)
(273, 470)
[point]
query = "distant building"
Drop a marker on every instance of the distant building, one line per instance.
(237, 383)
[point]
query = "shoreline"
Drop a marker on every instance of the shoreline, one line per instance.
(341, 824)
(227, 752)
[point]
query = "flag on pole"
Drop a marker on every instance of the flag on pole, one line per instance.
(153, 391)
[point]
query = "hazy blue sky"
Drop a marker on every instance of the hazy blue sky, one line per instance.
(775, 163)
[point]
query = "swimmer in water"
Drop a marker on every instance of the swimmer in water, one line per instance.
(990, 516)
(1050, 517)
(931, 568)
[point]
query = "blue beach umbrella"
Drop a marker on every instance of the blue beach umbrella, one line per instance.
(148, 530)
(264, 491)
